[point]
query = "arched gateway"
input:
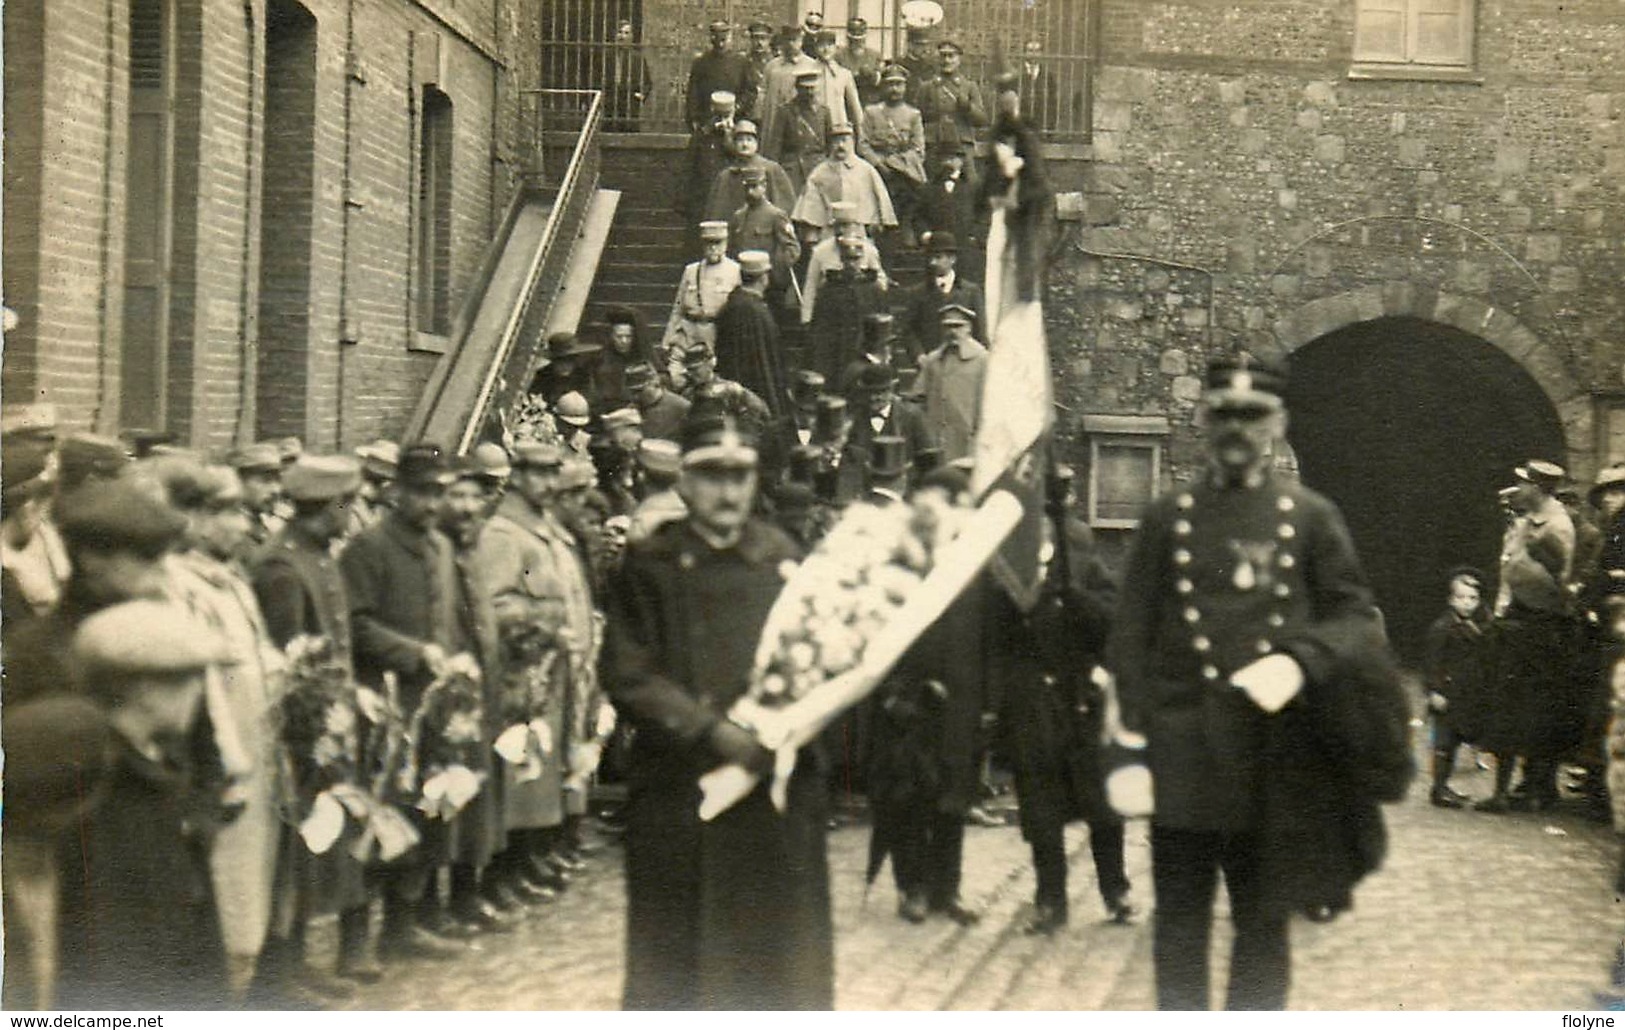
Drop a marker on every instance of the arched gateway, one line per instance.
(1409, 408)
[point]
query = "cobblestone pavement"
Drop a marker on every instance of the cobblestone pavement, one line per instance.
(1471, 911)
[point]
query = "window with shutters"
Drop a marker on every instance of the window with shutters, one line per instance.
(1125, 467)
(1413, 38)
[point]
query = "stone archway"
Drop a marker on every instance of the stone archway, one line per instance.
(1544, 362)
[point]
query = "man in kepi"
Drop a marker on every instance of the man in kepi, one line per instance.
(732, 913)
(1242, 593)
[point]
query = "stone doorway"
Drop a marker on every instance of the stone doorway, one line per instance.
(1411, 426)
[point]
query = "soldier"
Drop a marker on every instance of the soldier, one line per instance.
(758, 224)
(718, 70)
(760, 56)
(826, 254)
(779, 85)
(862, 62)
(33, 560)
(894, 142)
(837, 90)
(739, 401)
(259, 466)
(701, 291)
(663, 410)
(709, 147)
(951, 383)
(747, 348)
(844, 176)
(846, 296)
(301, 594)
(920, 60)
(401, 582)
(799, 132)
(727, 191)
(922, 315)
(685, 612)
(953, 107)
(376, 493)
(661, 461)
(1242, 591)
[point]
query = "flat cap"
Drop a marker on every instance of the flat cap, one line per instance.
(536, 454)
(623, 418)
(838, 130)
(118, 514)
(755, 262)
(660, 456)
(321, 477)
(83, 455)
(572, 409)
(146, 638)
(257, 457)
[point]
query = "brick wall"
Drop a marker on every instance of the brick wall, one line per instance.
(1230, 138)
(350, 254)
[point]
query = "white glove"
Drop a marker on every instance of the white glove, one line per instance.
(1271, 681)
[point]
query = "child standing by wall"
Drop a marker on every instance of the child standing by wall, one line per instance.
(1455, 679)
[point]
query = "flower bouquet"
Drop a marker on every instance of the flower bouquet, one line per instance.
(447, 731)
(846, 615)
(531, 657)
(320, 714)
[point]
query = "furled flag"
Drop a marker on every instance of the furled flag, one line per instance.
(1011, 450)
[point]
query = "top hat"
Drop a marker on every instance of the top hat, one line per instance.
(888, 457)
(803, 463)
(830, 418)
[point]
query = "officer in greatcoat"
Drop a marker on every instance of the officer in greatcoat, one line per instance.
(1247, 650)
(733, 913)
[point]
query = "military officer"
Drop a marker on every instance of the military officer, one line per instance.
(894, 142)
(733, 913)
(259, 466)
(718, 70)
(862, 62)
(953, 107)
(704, 287)
(796, 136)
(1242, 592)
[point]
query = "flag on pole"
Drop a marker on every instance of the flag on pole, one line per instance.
(1011, 448)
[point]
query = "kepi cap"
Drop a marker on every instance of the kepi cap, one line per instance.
(536, 454)
(745, 127)
(717, 442)
(424, 464)
(1244, 383)
(660, 456)
(379, 458)
(327, 477)
(755, 262)
(713, 230)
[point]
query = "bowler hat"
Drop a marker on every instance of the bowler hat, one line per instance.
(325, 477)
(941, 242)
(856, 26)
(567, 345)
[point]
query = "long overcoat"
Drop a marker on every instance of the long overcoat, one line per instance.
(733, 913)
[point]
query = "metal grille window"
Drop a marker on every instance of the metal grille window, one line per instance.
(582, 50)
(1125, 467)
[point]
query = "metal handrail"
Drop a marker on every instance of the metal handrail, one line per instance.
(555, 218)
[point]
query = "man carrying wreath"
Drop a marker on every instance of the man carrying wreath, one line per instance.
(733, 913)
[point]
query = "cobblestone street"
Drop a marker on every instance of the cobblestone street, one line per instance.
(1471, 911)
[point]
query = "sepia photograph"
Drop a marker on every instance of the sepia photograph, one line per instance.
(812, 505)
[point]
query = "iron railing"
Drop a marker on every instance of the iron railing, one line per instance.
(645, 83)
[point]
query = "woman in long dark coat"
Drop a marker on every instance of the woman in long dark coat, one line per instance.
(1050, 721)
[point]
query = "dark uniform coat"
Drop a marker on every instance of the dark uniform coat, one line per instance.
(1219, 577)
(734, 913)
(663, 420)
(479, 831)
(836, 329)
(712, 72)
(301, 593)
(727, 191)
(798, 141)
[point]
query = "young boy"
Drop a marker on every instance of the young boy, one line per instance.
(1454, 678)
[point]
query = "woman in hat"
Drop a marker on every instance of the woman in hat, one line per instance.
(627, 346)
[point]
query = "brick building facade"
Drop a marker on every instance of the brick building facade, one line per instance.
(1437, 239)
(241, 218)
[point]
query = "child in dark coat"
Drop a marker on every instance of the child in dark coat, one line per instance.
(1455, 678)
